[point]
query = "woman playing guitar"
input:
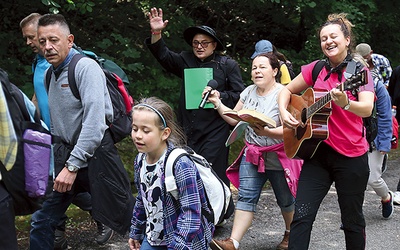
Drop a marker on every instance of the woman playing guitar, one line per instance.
(340, 156)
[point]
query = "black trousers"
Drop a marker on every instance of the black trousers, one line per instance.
(350, 176)
(8, 235)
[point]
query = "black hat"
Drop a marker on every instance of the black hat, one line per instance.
(190, 32)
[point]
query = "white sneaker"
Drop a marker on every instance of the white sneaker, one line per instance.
(396, 198)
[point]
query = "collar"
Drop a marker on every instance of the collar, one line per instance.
(57, 71)
(338, 69)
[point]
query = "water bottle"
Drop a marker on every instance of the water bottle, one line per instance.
(394, 111)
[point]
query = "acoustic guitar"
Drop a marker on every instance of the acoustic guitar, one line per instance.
(312, 110)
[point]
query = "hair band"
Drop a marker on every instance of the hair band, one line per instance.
(156, 111)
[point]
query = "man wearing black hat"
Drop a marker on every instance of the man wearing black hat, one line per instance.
(205, 129)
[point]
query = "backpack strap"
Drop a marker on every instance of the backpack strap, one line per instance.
(317, 69)
(71, 75)
(172, 159)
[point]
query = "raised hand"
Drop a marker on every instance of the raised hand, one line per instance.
(156, 20)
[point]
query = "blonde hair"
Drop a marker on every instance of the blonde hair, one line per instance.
(165, 118)
(32, 18)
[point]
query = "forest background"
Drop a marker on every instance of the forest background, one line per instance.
(116, 30)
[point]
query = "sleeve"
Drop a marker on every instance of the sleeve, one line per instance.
(91, 83)
(384, 115)
(138, 222)
(189, 220)
(306, 71)
(388, 72)
(234, 84)
(285, 76)
(169, 60)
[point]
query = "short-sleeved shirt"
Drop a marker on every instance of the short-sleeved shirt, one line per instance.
(267, 105)
(346, 129)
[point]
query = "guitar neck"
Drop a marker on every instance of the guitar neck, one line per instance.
(350, 84)
(318, 105)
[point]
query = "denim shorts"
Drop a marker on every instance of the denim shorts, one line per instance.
(252, 183)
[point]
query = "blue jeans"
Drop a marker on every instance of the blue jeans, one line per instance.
(45, 220)
(146, 246)
(252, 182)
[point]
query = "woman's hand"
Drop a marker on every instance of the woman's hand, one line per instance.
(260, 130)
(288, 120)
(133, 244)
(339, 97)
(156, 20)
(214, 96)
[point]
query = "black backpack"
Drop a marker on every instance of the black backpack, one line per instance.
(290, 68)
(122, 101)
(371, 122)
(14, 180)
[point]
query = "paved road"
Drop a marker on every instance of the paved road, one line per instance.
(267, 229)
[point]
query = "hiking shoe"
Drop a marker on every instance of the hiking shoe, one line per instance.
(104, 233)
(387, 207)
(226, 244)
(285, 242)
(396, 198)
(60, 241)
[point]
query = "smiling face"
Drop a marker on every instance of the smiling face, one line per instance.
(147, 135)
(262, 72)
(333, 43)
(55, 42)
(200, 51)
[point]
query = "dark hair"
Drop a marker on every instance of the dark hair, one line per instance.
(52, 19)
(177, 136)
(278, 54)
(274, 62)
(32, 18)
(345, 26)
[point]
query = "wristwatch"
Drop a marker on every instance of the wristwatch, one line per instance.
(347, 106)
(71, 168)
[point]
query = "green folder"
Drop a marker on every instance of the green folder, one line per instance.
(196, 79)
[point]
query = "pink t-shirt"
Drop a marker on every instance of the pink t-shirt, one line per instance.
(345, 128)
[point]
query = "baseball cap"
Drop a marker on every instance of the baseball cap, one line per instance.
(262, 46)
(363, 49)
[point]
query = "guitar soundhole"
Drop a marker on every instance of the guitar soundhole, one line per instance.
(303, 116)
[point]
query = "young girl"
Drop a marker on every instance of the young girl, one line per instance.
(160, 221)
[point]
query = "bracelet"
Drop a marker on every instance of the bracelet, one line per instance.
(219, 105)
(153, 32)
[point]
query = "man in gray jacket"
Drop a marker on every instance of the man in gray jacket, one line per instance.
(84, 150)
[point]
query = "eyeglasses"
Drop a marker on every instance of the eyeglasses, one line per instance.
(204, 44)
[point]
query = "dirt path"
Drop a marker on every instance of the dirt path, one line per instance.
(267, 229)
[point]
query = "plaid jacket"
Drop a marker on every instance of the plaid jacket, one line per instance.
(184, 226)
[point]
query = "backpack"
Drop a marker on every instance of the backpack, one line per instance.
(370, 123)
(27, 180)
(122, 101)
(218, 194)
(289, 65)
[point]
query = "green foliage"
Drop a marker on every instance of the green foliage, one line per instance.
(116, 30)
